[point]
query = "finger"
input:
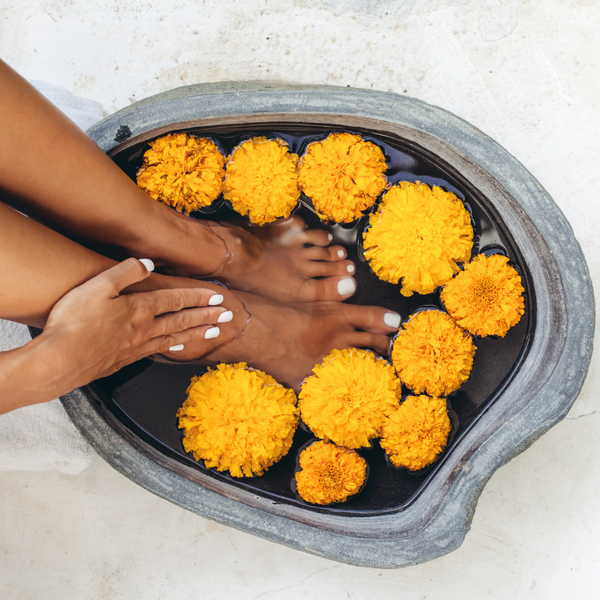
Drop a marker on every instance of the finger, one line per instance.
(315, 268)
(372, 341)
(203, 339)
(126, 273)
(329, 288)
(331, 253)
(166, 301)
(191, 317)
(372, 318)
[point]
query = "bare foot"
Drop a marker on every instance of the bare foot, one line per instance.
(285, 261)
(286, 341)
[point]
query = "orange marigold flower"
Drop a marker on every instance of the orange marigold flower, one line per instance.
(238, 419)
(416, 432)
(344, 401)
(261, 180)
(182, 171)
(343, 176)
(329, 473)
(418, 234)
(487, 297)
(433, 354)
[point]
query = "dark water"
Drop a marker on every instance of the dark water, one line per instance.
(144, 397)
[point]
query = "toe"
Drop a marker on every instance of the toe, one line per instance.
(329, 288)
(372, 318)
(342, 268)
(291, 232)
(331, 253)
(318, 237)
(294, 223)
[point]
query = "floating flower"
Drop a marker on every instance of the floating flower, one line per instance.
(329, 473)
(238, 419)
(416, 432)
(182, 171)
(344, 401)
(343, 176)
(487, 297)
(433, 354)
(261, 180)
(418, 234)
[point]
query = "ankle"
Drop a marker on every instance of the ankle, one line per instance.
(243, 250)
(192, 249)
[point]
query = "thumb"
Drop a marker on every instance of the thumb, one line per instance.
(126, 273)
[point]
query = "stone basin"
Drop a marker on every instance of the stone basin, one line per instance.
(545, 374)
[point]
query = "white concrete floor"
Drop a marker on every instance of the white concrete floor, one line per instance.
(526, 73)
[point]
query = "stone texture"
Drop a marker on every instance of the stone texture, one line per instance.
(539, 395)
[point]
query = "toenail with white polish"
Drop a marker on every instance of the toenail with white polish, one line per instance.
(215, 300)
(225, 317)
(341, 253)
(392, 319)
(147, 263)
(177, 348)
(350, 268)
(211, 333)
(346, 286)
(330, 237)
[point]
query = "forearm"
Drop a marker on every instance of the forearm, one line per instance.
(53, 171)
(39, 266)
(27, 377)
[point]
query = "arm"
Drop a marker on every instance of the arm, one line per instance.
(52, 171)
(94, 330)
(91, 327)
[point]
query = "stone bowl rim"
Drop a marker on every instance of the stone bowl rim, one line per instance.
(559, 358)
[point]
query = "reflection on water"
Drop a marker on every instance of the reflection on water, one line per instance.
(145, 396)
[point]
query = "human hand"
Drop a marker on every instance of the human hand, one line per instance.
(96, 329)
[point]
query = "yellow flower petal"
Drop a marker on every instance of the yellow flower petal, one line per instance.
(261, 180)
(238, 419)
(182, 171)
(487, 297)
(415, 432)
(432, 354)
(418, 234)
(329, 473)
(343, 176)
(344, 401)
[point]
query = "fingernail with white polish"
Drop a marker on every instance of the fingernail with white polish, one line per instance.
(350, 268)
(341, 253)
(147, 263)
(225, 317)
(215, 300)
(346, 286)
(330, 237)
(392, 319)
(177, 348)
(211, 333)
